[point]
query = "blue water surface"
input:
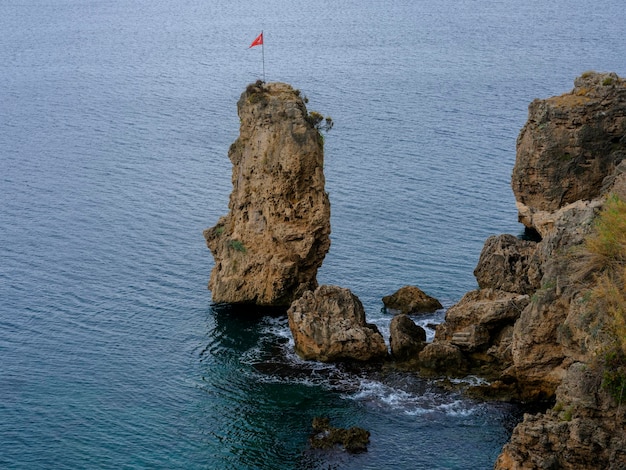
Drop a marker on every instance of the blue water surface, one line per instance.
(115, 121)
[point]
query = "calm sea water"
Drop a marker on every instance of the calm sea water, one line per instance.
(115, 121)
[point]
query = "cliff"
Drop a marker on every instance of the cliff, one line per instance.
(548, 320)
(269, 246)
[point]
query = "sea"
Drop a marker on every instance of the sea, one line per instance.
(115, 121)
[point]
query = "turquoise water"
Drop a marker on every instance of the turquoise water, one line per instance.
(115, 121)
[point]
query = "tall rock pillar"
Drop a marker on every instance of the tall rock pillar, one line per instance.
(269, 246)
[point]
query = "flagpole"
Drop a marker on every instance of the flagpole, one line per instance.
(263, 56)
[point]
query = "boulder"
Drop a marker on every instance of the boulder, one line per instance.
(406, 338)
(269, 246)
(411, 299)
(442, 358)
(329, 325)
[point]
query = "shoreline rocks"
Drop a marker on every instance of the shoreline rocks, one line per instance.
(406, 339)
(530, 326)
(329, 325)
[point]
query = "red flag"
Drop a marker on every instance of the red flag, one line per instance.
(258, 41)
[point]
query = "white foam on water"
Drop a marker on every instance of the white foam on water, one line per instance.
(274, 360)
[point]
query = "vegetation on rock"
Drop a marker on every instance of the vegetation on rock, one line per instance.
(605, 259)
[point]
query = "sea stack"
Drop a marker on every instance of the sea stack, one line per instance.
(269, 246)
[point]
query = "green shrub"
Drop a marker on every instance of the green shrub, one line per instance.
(606, 254)
(237, 245)
(614, 377)
(319, 122)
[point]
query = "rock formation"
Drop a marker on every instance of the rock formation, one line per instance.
(269, 247)
(573, 147)
(411, 299)
(406, 339)
(534, 326)
(329, 325)
(567, 148)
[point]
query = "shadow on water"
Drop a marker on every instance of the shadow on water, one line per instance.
(255, 417)
(261, 399)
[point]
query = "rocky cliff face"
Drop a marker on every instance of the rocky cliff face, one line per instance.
(533, 325)
(567, 148)
(269, 247)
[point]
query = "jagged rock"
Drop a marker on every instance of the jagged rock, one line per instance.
(442, 358)
(329, 325)
(580, 432)
(406, 339)
(532, 326)
(477, 321)
(569, 145)
(411, 299)
(269, 247)
(505, 264)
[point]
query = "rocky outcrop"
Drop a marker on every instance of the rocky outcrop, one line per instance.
(582, 431)
(481, 325)
(406, 339)
(411, 299)
(269, 247)
(443, 358)
(568, 147)
(532, 327)
(329, 325)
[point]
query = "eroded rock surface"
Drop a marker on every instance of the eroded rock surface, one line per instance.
(568, 147)
(269, 247)
(329, 325)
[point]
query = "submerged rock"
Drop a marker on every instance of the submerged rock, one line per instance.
(354, 439)
(269, 247)
(329, 325)
(411, 299)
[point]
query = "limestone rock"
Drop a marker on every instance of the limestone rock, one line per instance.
(533, 325)
(406, 339)
(269, 247)
(505, 264)
(411, 299)
(579, 432)
(329, 325)
(442, 358)
(477, 321)
(569, 145)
